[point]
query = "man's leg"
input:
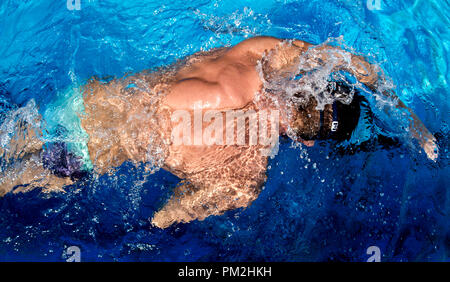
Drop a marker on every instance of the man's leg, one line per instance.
(22, 162)
(216, 189)
(29, 173)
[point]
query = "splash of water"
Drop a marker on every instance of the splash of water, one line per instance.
(19, 131)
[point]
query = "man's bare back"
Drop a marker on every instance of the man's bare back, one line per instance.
(227, 81)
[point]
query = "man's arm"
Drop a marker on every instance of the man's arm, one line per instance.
(371, 76)
(285, 60)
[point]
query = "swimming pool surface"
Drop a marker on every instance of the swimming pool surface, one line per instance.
(318, 205)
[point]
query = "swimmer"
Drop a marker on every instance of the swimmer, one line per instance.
(131, 119)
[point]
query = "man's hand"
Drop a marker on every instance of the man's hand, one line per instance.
(431, 149)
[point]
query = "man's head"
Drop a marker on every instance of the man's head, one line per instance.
(336, 122)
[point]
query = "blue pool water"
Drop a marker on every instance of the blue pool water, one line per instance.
(327, 206)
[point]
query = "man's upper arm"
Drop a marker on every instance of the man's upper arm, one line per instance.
(284, 57)
(260, 44)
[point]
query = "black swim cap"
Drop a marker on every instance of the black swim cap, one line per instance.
(345, 117)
